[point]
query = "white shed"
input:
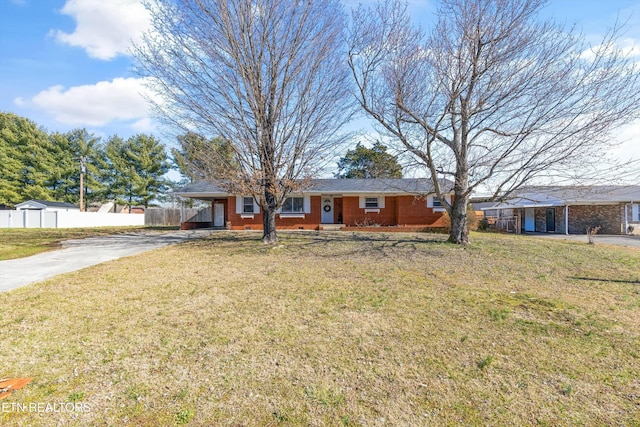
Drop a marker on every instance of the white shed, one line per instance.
(45, 205)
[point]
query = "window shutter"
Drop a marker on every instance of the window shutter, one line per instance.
(307, 204)
(381, 202)
(256, 207)
(239, 204)
(363, 202)
(635, 215)
(430, 201)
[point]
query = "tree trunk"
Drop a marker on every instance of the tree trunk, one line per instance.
(269, 218)
(269, 222)
(459, 233)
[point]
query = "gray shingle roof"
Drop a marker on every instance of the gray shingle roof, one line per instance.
(335, 186)
(563, 195)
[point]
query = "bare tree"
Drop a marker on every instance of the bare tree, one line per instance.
(492, 97)
(268, 76)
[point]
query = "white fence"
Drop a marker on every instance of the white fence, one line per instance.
(66, 219)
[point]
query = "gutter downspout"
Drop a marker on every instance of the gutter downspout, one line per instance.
(566, 219)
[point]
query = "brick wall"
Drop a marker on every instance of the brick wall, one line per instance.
(540, 215)
(309, 222)
(414, 211)
(353, 214)
(238, 223)
(609, 217)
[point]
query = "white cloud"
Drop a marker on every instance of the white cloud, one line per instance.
(629, 47)
(629, 137)
(96, 105)
(104, 28)
(144, 125)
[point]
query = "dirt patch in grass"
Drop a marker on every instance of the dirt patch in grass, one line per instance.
(23, 242)
(334, 329)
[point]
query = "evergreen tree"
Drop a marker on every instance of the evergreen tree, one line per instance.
(374, 162)
(36, 165)
(70, 149)
(137, 169)
(10, 161)
(199, 158)
(27, 160)
(63, 181)
(115, 175)
(149, 160)
(86, 147)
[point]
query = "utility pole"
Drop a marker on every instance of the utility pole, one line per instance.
(83, 170)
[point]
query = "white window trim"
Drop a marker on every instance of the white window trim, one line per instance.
(293, 212)
(292, 215)
(306, 203)
(371, 210)
(430, 199)
(240, 208)
(363, 202)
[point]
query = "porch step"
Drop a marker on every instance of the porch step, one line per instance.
(331, 227)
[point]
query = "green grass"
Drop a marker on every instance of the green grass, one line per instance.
(334, 329)
(24, 242)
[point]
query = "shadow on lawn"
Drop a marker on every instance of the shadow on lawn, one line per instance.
(596, 279)
(326, 244)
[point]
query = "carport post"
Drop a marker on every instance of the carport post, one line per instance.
(566, 219)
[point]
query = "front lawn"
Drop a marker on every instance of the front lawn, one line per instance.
(23, 242)
(334, 329)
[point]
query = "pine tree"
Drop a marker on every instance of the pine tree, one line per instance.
(374, 162)
(116, 184)
(137, 169)
(202, 159)
(27, 160)
(70, 149)
(86, 148)
(10, 162)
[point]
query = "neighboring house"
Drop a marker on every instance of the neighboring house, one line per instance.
(45, 205)
(349, 202)
(571, 210)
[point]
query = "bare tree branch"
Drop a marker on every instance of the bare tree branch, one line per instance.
(493, 95)
(268, 76)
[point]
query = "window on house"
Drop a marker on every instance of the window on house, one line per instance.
(436, 202)
(293, 205)
(371, 202)
(247, 205)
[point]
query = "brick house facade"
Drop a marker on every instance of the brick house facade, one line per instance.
(347, 202)
(571, 210)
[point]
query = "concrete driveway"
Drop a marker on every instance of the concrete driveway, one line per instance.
(604, 239)
(80, 253)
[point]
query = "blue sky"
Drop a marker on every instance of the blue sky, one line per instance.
(64, 63)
